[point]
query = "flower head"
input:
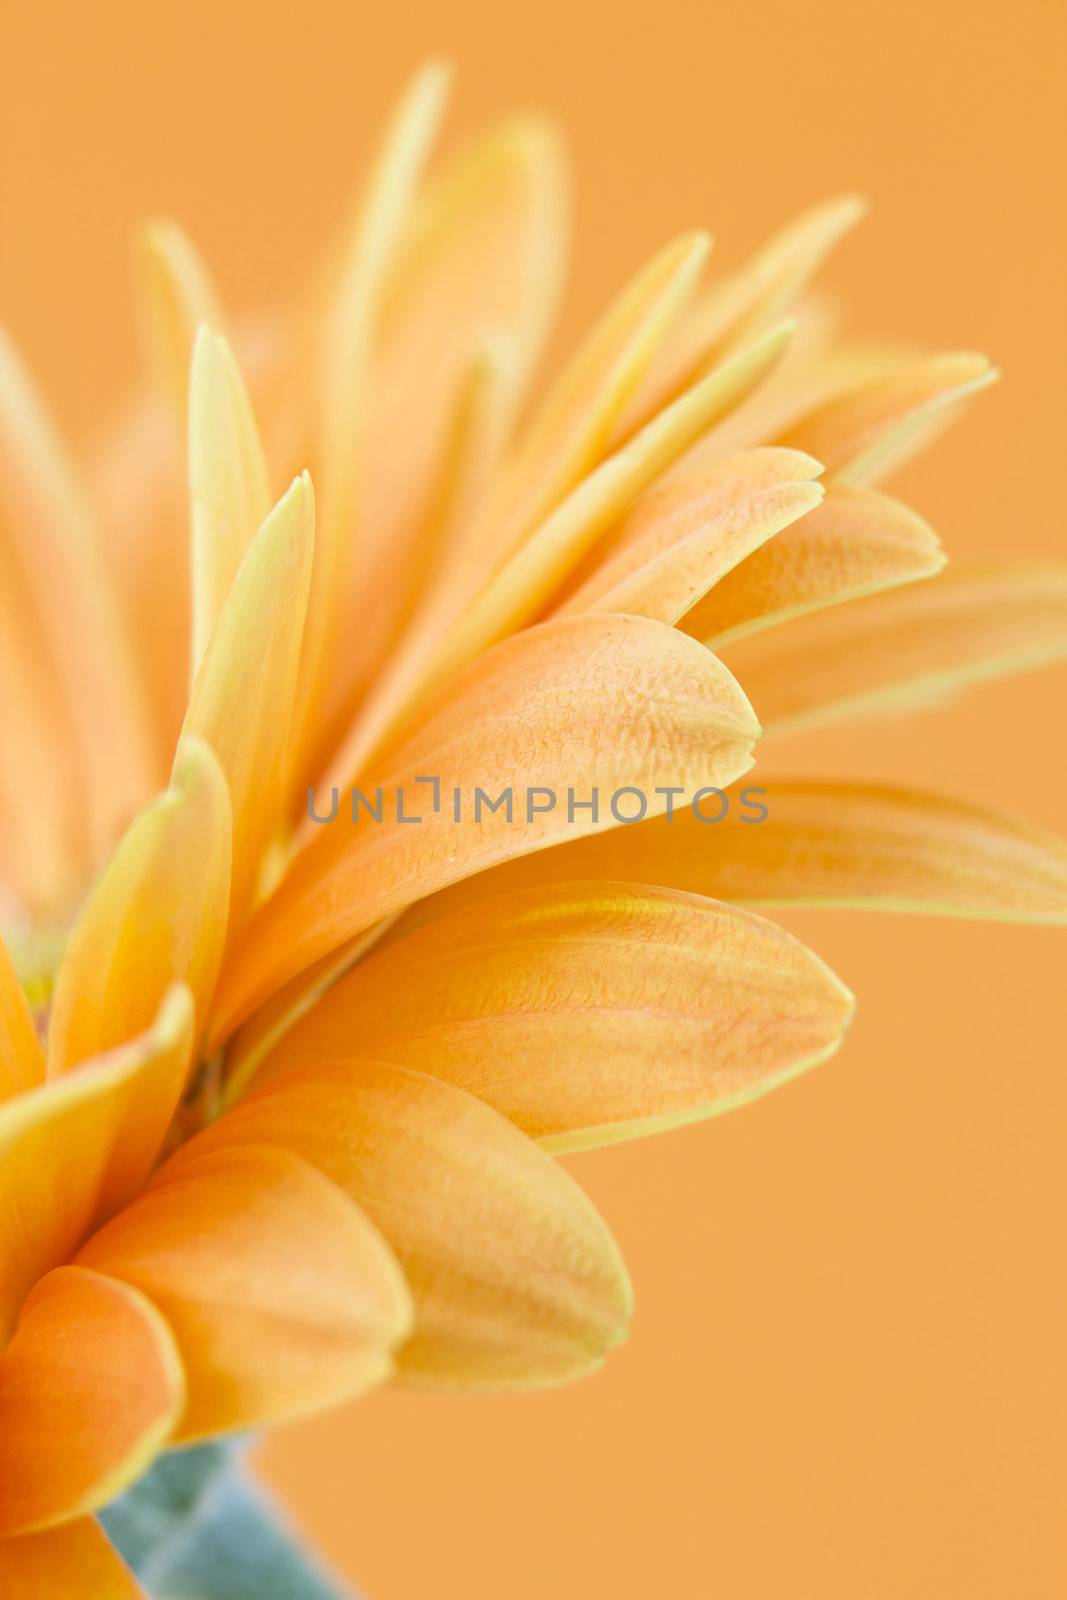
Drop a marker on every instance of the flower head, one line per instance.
(282, 1097)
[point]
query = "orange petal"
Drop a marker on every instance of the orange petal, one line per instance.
(76, 1147)
(229, 489)
(281, 1295)
(585, 1012)
(515, 1278)
(176, 296)
(21, 1057)
(243, 697)
(90, 1388)
(75, 1558)
(906, 648)
(585, 703)
(685, 536)
(868, 431)
(58, 584)
(156, 916)
(857, 543)
(860, 846)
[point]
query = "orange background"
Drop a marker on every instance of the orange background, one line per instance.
(846, 1376)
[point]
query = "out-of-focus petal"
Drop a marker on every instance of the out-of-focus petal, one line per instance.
(65, 614)
(907, 648)
(77, 1147)
(733, 310)
(282, 1296)
(516, 1280)
(91, 1386)
(545, 559)
(73, 1558)
(586, 1012)
(175, 297)
(229, 488)
(243, 697)
(157, 916)
(22, 1064)
(870, 430)
(857, 543)
(866, 847)
(586, 703)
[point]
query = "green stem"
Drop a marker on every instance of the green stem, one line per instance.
(197, 1527)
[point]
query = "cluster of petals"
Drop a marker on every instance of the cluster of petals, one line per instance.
(281, 1106)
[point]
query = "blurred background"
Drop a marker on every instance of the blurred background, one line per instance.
(846, 1373)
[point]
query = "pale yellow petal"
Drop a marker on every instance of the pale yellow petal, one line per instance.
(22, 1063)
(229, 489)
(175, 297)
(156, 916)
(243, 697)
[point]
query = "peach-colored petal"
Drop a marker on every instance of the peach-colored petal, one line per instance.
(857, 543)
(685, 537)
(907, 648)
(22, 1064)
(242, 700)
(76, 1147)
(91, 1386)
(586, 1012)
(868, 431)
(67, 616)
(156, 916)
(74, 1558)
(585, 703)
(515, 1278)
(869, 847)
(175, 297)
(731, 311)
(229, 487)
(281, 1295)
(344, 365)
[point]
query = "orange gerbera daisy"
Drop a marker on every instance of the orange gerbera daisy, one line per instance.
(281, 1097)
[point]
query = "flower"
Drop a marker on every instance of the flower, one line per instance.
(281, 1102)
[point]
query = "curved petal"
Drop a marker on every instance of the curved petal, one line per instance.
(868, 847)
(91, 1386)
(76, 1147)
(243, 697)
(857, 542)
(587, 703)
(906, 648)
(229, 488)
(869, 430)
(22, 1064)
(516, 1280)
(281, 1295)
(688, 537)
(156, 916)
(70, 1559)
(586, 1012)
